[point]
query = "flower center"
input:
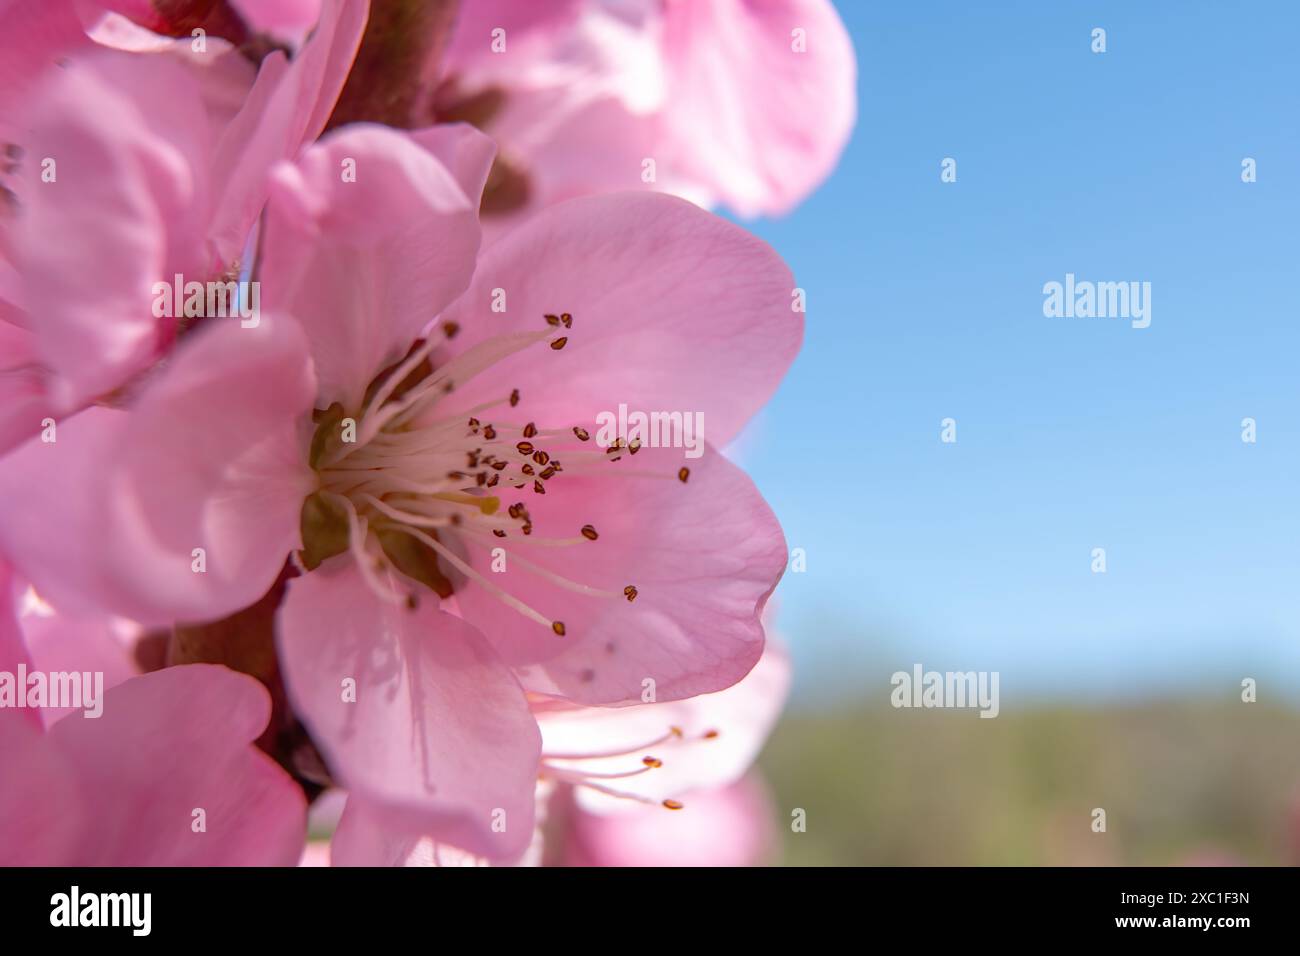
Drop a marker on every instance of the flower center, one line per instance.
(407, 479)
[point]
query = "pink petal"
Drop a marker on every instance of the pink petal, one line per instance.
(673, 308)
(703, 556)
(366, 837)
(169, 743)
(210, 458)
(23, 402)
(288, 106)
(464, 151)
(32, 36)
(473, 37)
(731, 826)
(439, 735)
(84, 643)
(214, 456)
(721, 736)
(128, 137)
(41, 805)
(749, 117)
(13, 643)
(367, 264)
(53, 493)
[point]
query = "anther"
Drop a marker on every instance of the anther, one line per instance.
(589, 532)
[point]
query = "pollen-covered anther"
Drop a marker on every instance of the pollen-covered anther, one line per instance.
(683, 473)
(558, 627)
(514, 398)
(589, 532)
(582, 433)
(559, 343)
(652, 762)
(530, 430)
(524, 448)
(673, 804)
(630, 592)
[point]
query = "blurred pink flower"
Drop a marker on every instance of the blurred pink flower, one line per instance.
(119, 170)
(704, 742)
(123, 788)
(730, 826)
(654, 303)
(745, 103)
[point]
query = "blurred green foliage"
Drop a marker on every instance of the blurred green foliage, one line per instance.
(1181, 783)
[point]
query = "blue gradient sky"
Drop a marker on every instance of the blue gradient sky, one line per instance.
(925, 301)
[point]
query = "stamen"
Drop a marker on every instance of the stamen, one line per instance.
(674, 733)
(469, 572)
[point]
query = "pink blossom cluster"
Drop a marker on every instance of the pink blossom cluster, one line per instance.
(360, 543)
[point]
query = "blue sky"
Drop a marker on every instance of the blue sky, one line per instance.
(925, 302)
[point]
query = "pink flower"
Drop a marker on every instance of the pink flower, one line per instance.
(614, 815)
(624, 570)
(619, 758)
(611, 779)
(746, 103)
(120, 170)
(166, 775)
(729, 826)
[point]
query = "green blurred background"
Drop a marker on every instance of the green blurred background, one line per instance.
(1182, 783)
